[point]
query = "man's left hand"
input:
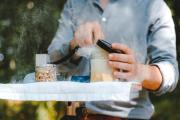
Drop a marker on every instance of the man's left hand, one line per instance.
(126, 67)
(124, 64)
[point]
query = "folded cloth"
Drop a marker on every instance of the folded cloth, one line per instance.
(71, 91)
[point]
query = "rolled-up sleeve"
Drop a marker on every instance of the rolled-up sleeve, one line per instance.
(59, 46)
(162, 46)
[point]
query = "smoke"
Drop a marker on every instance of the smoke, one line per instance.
(86, 51)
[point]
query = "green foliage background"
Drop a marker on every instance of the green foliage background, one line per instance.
(26, 28)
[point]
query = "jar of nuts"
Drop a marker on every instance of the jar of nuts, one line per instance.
(45, 73)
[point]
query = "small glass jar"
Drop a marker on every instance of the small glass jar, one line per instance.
(100, 70)
(46, 73)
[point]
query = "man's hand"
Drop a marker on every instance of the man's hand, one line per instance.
(126, 67)
(86, 34)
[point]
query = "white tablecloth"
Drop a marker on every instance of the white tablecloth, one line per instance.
(70, 91)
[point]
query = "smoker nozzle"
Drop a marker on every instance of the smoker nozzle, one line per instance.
(107, 46)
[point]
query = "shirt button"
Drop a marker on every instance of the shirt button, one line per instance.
(104, 19)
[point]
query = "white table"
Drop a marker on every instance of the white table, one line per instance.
(30, 90)
(70, 91)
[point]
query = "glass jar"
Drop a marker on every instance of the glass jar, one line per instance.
(45, 73)
(100, 70)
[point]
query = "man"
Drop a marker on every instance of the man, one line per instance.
(142, 29)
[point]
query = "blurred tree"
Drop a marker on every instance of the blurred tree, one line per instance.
(26, 28)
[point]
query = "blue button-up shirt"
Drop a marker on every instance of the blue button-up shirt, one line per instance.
(146, 26)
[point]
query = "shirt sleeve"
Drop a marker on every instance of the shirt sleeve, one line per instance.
(59, 46)
(162, 46)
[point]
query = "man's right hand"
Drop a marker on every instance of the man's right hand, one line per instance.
(86, 34)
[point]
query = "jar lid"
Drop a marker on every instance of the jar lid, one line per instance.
(47, 65)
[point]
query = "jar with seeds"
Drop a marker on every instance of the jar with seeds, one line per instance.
(45, 73)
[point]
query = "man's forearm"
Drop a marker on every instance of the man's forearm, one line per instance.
(153, 77)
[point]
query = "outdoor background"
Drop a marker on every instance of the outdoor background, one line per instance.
(26, 28)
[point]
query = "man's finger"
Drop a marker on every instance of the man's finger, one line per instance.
(122, 47)
(121, 58)
(97, 32)
(120, 66)
(88, 40)
(85, 34)
(122, 75)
